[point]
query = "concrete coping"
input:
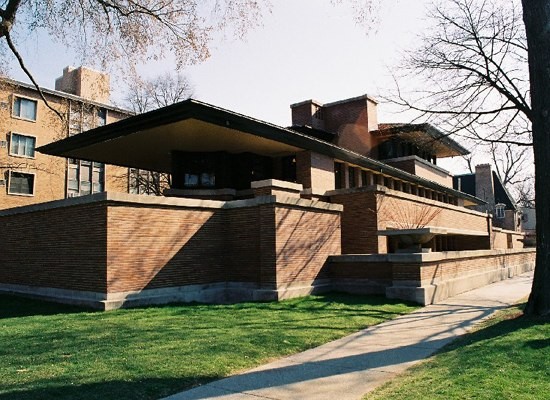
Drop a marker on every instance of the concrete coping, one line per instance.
(125, 198)
(497, 229)
(414, 258)
(421, 161)
(277, 184)
(435, 230)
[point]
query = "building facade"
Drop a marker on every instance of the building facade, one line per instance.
(79, 103)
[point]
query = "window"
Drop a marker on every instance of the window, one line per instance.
(22, 145)
(351, 177)
(338, 175)
(21, 183)
(101, 116)
(84, 177)
(24, 108)
(141, 181)
(499, 210)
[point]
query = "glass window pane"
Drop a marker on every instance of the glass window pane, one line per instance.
(85, 188)
(85, 172)
(24, 108)
(191, 180)
(21, 183)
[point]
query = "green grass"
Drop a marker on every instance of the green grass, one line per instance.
(508, 357)
(50, 351)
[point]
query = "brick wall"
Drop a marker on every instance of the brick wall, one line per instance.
(427, 278)
(132, 243)
(62, 248)
(367, 210)
(306, 239)
(150, 248)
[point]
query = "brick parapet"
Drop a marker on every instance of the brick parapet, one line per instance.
(134, 243)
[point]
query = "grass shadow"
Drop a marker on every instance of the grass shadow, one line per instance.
(145, 389)
(12, 306)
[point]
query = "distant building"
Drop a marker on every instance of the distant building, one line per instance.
(486, 185)
(28, 177)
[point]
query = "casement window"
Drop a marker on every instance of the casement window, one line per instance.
(141, 181)
(24, 108)
(22, 145)
(499, 211)
(101, 117)
(84, 177)
(21, 183)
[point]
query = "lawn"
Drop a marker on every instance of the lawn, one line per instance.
(507, 358)
(50, 351)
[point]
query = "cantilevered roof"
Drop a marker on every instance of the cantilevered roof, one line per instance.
(147, 140)
(425, 135)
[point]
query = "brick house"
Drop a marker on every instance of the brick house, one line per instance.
(257, 211)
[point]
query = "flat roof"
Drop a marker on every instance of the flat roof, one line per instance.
(146, 141)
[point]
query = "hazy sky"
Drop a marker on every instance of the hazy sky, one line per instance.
(305, 49)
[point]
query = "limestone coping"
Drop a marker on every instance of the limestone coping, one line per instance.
(276, 184)
(435, 230)
(173, 201)
(413, 258)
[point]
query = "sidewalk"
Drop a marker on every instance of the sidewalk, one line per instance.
(350, 367)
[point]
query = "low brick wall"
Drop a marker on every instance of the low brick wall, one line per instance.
(430, 277)
(112, 250)
(373, 208)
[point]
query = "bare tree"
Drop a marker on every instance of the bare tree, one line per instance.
(474, 65)
(106, 31)
(145, 95)
(161, 91)
(471, 72)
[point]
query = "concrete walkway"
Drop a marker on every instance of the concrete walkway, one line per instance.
(350, 367)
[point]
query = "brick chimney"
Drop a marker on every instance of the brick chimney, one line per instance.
(85, 82)
(485, 185)
(351, 120)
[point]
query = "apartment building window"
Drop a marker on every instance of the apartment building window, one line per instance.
(22, 145)
(101, 117)
(84, 177)
(21, 183)
(24, 108)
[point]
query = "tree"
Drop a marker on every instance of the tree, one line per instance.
(512, 164)
(475, 66)
(107, 31)
(145, 95)
(161, 91)
(536, 15)
(471, 72)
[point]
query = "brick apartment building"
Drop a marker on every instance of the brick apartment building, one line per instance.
(256, 211)
(81, 97)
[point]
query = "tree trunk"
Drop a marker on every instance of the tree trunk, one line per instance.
(536, 15)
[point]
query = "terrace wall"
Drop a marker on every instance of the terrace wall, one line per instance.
(113, 250)
(373, 208)
(427, 278)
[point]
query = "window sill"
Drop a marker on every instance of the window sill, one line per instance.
(23, 119)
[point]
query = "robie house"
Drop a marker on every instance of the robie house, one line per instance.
(256, 211)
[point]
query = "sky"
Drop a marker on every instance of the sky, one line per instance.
(306, 49)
